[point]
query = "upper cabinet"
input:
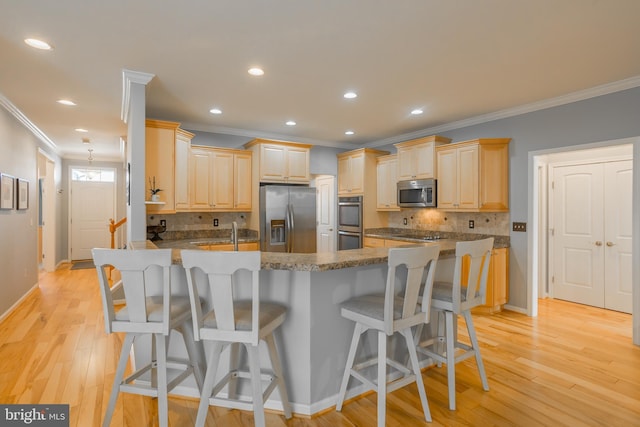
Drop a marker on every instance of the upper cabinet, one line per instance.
(416, 158)
(162, 139)
(220, 179)
(387, 174)
(474, 175)
(281, 161)
(351, 173)
(357, 172)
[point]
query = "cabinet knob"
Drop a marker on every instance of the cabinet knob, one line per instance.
(598, 243)
(610, 244)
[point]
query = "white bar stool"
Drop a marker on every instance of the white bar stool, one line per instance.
(145, 313)
(389, 314)
(233, 321)
(468, 290)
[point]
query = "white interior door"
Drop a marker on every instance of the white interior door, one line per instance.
(578, 230)
(592, 223)
(92, 205)
(618, 181)
(326, 214)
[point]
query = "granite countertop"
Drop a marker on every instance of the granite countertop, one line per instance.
(303, 262)
(409, 235)
(329, 260)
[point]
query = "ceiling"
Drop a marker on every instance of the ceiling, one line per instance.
(454, 59)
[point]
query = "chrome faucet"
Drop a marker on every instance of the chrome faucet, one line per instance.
(234, 235)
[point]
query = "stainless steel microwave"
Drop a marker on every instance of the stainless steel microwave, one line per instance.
(417, 193)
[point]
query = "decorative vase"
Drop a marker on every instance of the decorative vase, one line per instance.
(155, 198)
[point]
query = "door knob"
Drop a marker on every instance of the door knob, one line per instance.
(598, 243)
(610, 244)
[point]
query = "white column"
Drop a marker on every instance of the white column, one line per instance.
(134, 114)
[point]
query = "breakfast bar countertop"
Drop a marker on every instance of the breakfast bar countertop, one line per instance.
(324, 261)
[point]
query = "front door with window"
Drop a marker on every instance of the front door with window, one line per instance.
(92, 205)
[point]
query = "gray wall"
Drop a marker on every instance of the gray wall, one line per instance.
(18, 229)
(602, 118)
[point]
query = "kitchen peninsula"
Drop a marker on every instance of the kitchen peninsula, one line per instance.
(314, 339)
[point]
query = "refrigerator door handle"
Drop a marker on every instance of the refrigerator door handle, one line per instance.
(288, 229)
(293, 227)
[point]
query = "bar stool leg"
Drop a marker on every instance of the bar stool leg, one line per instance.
(277, 369)
(357, 331)
(256, 385)
(234, 365)
(382, 378)
(209, 382)
(451, 358)
(413, 356)
(122, 365)
(476, 348)
(161, 372)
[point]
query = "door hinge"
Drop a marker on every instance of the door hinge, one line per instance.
(553, 279)
(552, 231)
(553, 185)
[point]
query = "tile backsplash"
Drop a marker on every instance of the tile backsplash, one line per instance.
(198, 221)
(493, 223)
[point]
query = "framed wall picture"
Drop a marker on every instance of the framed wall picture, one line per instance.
(7, 186)
(23, 194)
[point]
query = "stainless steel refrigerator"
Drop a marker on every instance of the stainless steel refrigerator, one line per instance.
(287, 219)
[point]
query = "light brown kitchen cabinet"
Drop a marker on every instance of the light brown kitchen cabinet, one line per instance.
(474, 175)
(497, 282)
(183, 150)
(387, 176)
(245, 246)
(416, 158)
(351, 173)
(200, 179)
(376, 242)
(220, 179)
(161, 142)
(281, 161)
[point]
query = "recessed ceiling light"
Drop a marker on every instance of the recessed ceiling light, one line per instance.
(255, 71)
(81, 130)
(350, 95)
(291, 123)
(66, 102)
(417, 111)
(215, 111)
(349, 132)
(38, 44)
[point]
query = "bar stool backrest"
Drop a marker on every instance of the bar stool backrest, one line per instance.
(471, 273)
(420, 263)
(220, 273)
(141, 272)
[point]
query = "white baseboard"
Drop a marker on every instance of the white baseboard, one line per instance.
(17, 303)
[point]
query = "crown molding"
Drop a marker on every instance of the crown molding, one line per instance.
(581, 95)
(35, 130)
(128, 78)
(258, 134)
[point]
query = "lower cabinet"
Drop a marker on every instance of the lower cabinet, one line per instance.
(250, 246)
(497, 281)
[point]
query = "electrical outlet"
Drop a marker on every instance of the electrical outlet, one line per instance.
(404, 221)
(215, 222)
(472, 223)
(163, 223)
(520, 226)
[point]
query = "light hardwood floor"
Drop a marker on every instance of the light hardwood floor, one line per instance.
(573, 365)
